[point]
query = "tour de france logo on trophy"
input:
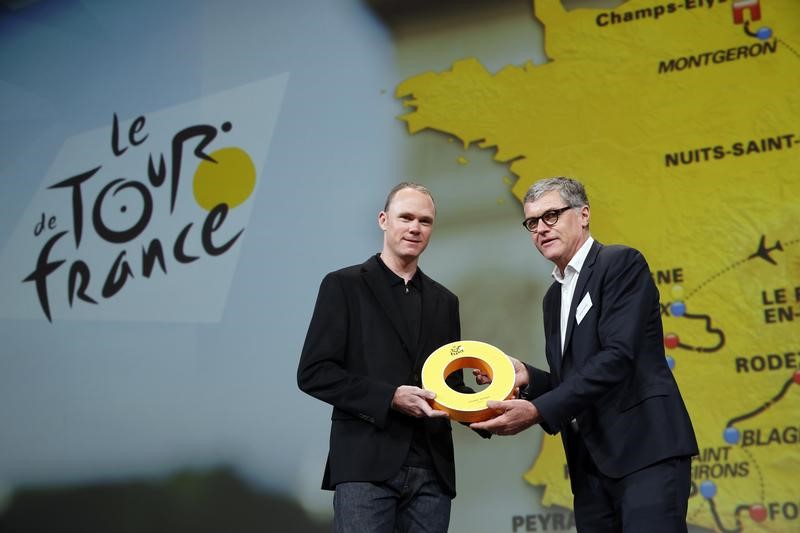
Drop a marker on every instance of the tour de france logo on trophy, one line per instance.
(466, 407)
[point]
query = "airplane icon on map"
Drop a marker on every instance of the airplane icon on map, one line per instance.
(763, 251)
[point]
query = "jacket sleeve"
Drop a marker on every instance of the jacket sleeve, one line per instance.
(323, 371)
(538, 384)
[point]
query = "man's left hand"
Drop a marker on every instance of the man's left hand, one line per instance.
(413, 401)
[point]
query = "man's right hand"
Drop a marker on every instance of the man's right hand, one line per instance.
(521, 377)
(413, 401)
(513, 416)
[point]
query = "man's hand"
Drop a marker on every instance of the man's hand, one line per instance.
(413, 401)
(520, 374)
(514, 416)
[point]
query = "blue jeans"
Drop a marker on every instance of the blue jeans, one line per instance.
(412, 501)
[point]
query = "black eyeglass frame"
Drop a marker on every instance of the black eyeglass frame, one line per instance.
(531, 223)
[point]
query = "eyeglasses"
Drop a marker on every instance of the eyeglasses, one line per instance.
(548, 217)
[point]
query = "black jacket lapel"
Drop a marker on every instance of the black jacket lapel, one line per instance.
(375, 278)
(552, 328)
(577, 296)
(430, 302)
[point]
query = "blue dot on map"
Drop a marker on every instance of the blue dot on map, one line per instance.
(677, 308)
(764, 33)
(731, 435)
(671, 362)
(708, 489)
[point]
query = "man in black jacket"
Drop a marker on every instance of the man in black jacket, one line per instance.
(609, 392)
(391, 454)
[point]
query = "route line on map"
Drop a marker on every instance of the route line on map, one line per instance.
(741, 507)
(716, 517)
(708, 489)
(748, 507)
(727, 269)
(760, 476)
(790, 47)
(715, 276)
(718, 332)
(763, 407)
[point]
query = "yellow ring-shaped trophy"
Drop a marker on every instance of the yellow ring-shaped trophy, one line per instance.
(468, 354)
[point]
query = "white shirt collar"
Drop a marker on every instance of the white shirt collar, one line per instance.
(576, 263)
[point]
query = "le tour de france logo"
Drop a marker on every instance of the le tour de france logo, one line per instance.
(143, 219)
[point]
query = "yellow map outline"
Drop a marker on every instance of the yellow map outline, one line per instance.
(693, 166)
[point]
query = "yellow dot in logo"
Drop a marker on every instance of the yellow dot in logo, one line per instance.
(230, 180)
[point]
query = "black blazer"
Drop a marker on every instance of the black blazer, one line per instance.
(356, 353)
(613, 377)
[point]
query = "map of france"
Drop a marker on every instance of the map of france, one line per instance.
(681, 117)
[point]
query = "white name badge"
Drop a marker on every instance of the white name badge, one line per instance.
(583, 308)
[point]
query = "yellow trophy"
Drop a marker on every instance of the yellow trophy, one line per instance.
(468, 354)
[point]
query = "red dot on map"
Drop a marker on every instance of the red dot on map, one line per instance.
(758, 512)
(671, 340)
(796, 376)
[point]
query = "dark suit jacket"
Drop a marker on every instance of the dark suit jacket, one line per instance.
(613, 377)
(356, 353)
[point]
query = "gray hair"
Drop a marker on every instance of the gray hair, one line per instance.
(407, 185)
(571, 191)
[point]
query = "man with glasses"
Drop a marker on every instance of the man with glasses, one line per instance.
(391, 454)
(609, 392)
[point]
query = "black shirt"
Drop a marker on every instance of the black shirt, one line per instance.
(408, 297)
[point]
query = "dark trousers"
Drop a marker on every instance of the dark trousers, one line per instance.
(653, 499)
(413, 501)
